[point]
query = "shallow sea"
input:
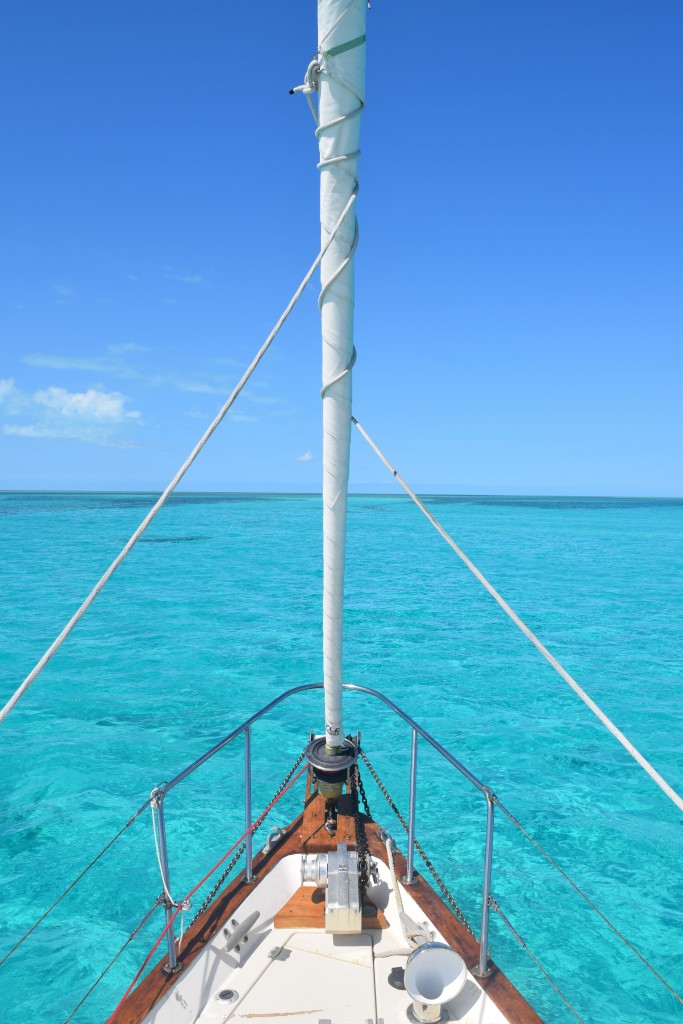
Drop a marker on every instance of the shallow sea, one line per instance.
(218, 609)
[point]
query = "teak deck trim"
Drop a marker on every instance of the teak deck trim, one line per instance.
(306, 909)
(307, 834)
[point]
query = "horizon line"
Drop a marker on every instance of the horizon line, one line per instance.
(351, 494)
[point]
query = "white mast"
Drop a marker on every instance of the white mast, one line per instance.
(340, 73)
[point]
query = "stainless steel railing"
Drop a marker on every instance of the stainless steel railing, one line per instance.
(161, 791)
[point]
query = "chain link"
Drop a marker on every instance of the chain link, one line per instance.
(435, 875)
(362, 851)
(283, 785)
(363, 794)
(219, 883)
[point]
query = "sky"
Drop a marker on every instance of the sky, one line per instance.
(519, 303)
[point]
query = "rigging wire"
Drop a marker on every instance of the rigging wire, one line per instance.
(57, 643)
(587, 899)
(75, 882)
(157, 903)
(520, 940)
(609, 725)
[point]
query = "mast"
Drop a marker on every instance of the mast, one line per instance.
(340, 72)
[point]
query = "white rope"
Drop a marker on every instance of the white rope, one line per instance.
(184, 905)
(56, 644)
(609, 725)
(389, 843)
(414, 934)
(153, 804)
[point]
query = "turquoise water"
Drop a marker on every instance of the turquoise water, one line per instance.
(218, 609)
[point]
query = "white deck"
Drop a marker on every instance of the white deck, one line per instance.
(306, 976)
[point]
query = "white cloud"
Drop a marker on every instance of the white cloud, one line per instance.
(30, 430)
(89, 406)
(110, 362)
(6, 388)
(36, 430)
(60, 362)
(183, 276)
(241, 417)
(63, 291)
(306, 457)
(236, 363)
(265, 399)
(199, 387)
(93, 416)
(235, 417)
(126, 346)
(12, 400)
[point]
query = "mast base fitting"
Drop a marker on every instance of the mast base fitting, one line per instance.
(331, 768)
(174, 970)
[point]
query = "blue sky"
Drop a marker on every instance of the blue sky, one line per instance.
(519, 299)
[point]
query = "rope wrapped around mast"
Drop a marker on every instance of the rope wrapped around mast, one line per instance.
(337, 74)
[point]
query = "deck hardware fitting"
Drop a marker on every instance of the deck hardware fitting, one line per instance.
(331, 767)
(274, 836)
(240, 933)
(434, 974)
(383, 835)
(228, 995)
(397, 978)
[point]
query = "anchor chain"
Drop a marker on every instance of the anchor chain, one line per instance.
(240, 850)
(209, 899)
(362, 851)
(434, 873)
(363, 794)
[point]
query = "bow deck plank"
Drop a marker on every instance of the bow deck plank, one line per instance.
(306, 909)
(314, 836)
